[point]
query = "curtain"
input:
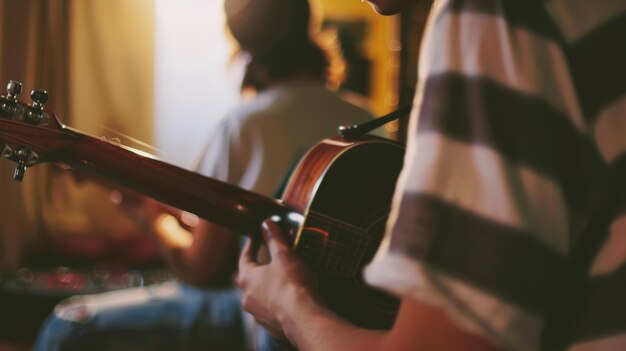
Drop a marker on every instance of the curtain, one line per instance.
(95, 60)
(34, 45)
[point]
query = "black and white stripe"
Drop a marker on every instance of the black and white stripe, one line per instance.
(521, 113)
(497, 258)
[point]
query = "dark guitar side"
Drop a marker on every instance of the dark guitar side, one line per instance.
(344, 189)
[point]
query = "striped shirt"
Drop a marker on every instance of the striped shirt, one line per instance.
(519, 119)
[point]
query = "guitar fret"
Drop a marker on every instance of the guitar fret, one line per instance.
(337, 248)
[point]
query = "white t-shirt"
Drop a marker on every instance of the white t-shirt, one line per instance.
(260, 142)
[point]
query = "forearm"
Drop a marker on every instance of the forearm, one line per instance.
(310, 326)
(419, 326)
(326, 331)
(206, 256)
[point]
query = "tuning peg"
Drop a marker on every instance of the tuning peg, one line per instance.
(14, 89)
(20, 170)
(39, 97)
(35, 111)
(21, 156)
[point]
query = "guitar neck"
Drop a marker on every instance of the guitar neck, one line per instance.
(216, 201)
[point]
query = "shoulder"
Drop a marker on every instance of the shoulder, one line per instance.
(349, 105)
(248, 115)
(294, 102)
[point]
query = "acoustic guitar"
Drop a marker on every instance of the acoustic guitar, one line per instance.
(334, 207)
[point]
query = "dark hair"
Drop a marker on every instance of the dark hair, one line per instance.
(280, 39)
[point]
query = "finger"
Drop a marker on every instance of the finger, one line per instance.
(246, 258)
(116, 197)
(125, 198)
(273, 236)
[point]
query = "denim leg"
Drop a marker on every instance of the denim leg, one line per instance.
(270, 344)
(260, 338)
(169, 316)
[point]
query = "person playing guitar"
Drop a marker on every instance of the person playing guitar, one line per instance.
(516, 150)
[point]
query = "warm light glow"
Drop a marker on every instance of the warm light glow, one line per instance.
(173, 235)
(195, 86)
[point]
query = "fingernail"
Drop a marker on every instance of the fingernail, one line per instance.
(116, 197)
(268, 228)
(275, 218)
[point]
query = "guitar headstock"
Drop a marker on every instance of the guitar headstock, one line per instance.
(28, 132)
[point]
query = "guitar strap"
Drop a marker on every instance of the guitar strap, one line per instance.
(359, 130)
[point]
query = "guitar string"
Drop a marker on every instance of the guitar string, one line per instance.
(359, 235)
(340, 235)
(357, 248)
(334, 250)
(152, 148)
(336, 256)
(337, 244)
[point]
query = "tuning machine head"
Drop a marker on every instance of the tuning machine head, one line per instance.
(24, 158)
(35, 111)
(8, 103)
(39, 97)
(14, 89)
(20, 170)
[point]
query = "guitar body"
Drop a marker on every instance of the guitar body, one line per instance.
(344, 190)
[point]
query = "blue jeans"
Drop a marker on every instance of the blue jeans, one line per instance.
(168, 316)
